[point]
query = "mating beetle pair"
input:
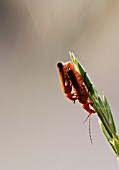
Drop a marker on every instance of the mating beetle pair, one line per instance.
(73, 86)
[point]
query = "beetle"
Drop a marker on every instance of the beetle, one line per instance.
(80, 90)
(72, 84)
(65, 81)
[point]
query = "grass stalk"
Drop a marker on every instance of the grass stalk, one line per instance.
(102, 108)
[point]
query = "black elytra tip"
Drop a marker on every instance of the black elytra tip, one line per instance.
(59, 64)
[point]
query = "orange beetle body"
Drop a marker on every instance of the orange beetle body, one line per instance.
(65, 82)
(73, 86)
(80, 90)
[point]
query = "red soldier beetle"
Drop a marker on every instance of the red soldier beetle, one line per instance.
(80, 90)
(73, 86)
(65, 82)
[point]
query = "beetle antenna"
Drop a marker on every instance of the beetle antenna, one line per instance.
(89, 127)
(90, 131)
(87, 118)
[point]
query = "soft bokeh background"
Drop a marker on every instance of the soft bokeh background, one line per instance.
(39, 128)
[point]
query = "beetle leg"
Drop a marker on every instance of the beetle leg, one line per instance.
(87, 107)
(72, 96)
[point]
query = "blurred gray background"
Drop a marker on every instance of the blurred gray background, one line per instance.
(39, 128)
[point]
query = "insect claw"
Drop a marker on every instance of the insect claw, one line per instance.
(74, 100)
